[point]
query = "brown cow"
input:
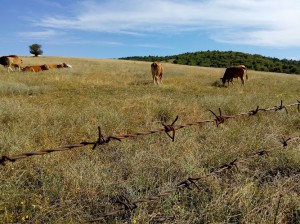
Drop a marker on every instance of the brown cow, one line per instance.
(52, 65)
(157, 70)
(235, 72)
(11, 61)
(35, 68)
(62, 65)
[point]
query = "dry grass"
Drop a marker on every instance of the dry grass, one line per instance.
(64, 106)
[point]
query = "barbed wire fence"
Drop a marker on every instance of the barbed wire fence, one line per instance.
(169, 129)
(190, 183)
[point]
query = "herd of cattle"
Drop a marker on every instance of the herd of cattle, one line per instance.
(14, 61)
(157, 69)
(238, 71)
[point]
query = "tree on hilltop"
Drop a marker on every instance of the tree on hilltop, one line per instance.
(35, 49)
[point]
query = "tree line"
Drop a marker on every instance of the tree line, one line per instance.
(225, 59)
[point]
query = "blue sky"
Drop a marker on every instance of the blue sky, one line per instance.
(121, 28)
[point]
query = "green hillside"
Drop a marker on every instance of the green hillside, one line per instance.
(222, 59)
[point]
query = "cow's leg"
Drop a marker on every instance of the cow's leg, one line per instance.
(9, 68)
(229, 80)
(160, 78)
(155, 80)
(242, 79)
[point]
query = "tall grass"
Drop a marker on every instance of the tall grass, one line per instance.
(65, 106)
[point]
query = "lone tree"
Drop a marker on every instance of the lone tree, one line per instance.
(35, 49)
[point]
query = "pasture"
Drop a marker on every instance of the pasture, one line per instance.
(60, 107)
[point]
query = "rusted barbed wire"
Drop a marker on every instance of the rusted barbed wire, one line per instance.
(170, 128)
(36, 153)
(166, 128)
(192, 181)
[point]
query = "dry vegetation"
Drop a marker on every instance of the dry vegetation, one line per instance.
(65, 106)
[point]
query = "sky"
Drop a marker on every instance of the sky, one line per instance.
(123, 28)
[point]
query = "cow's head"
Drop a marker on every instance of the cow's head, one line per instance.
(64, 65)
(223, 80)
(45, 67)
(67, 65)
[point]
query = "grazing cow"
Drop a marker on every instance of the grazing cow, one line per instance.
(157, 70)
(234, 72)
(35, 68)
(11, 61)
(62, 65)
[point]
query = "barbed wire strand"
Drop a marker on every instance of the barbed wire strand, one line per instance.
(167, 128)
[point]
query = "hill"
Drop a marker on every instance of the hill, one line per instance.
(245, 174)
(219, 59)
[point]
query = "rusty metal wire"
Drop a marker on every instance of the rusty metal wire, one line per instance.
(166, 128)
(191, 181)
(170, 128)
(36, 153)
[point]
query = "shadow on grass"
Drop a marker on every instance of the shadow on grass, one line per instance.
(141, 83)
(217, 83)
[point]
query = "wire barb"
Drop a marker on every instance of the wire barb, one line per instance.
(4, 159)
(170, 128)
(261, 153)
(187, 183)
(126, 202)
(254, 112)
(219, 119)
(101, 140)
(228, 166)
(194, 182)
(280, 107)
(284, 141)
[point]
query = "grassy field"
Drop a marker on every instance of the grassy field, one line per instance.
(65, 106)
